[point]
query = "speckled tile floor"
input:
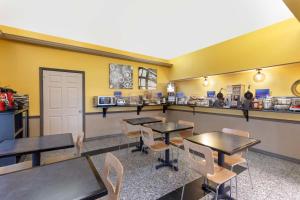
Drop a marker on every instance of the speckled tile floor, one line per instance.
(273, 178)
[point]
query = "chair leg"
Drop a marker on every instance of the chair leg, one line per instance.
(249, 175)
(177, 156)
(236, 188)
(127, 148)
(153, 163)
(217, 192)
(230, 187)
(183, 188)
(120, 142)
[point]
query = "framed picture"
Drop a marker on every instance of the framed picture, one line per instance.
(120, 76)
(147, 78)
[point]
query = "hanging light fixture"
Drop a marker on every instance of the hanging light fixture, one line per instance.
(205, 82)
(259, 77)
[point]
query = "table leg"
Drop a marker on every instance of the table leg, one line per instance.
(221, 163)
(36, 159)
(167, 162)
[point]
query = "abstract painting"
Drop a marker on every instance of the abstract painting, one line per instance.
(147, 78)
(120, 76)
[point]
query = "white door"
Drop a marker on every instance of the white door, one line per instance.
(62, 98)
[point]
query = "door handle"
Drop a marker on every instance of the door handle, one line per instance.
(80, 111)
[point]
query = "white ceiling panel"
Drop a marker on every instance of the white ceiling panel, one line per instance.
(160, 28)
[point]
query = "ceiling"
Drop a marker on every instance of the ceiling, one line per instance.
(159, 28)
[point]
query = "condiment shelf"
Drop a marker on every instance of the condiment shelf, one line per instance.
(138, 108)
(245, 112)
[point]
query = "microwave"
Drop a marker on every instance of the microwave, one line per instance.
(104, 101)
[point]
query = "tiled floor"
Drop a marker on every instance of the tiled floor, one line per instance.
(273, 178)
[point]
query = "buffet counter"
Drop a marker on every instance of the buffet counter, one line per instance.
(257, 114)
(278, 132)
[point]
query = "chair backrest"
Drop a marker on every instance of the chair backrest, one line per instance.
(236, 132)
(15, 167)
(203, 165)
(147, 135)
(124, 127)
(113, 163)
(79, 142)
(163, 119)
(189, 132)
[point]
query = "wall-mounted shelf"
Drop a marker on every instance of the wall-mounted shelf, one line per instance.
(245, 112)
(139, 108)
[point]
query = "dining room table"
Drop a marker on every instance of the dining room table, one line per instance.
(76, 178)
(140, 122)
(166, 129)
(35, 146)
(224, 144)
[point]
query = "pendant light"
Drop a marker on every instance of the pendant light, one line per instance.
(259, 77)
(205, 82)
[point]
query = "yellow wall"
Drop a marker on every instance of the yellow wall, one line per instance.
(276, 44)
(278, 79)
(19, 69)
(30, 34)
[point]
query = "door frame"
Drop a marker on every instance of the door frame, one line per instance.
(41, 85)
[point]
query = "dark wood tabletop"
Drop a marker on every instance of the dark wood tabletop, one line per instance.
(35, 144)
(167, 127)
(141, 120)
(70, 179)
(222, 142)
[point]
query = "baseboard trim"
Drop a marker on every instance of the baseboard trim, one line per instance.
(287, 158)
(113, 148)
(102, 137)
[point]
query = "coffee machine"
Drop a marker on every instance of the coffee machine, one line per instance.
(235, 95)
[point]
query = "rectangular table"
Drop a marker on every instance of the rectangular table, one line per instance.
(141, 121)
(224, 144)
(70, 179)
(35, 145)
(166, 129)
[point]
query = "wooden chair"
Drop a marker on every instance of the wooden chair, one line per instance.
(206, 166)
(178, 141)
(128, 134)
(16, 167)
(78, 141)
(155, 146)
(112, 163)
(238, 158)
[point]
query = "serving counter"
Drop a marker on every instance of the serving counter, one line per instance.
(279, 132)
